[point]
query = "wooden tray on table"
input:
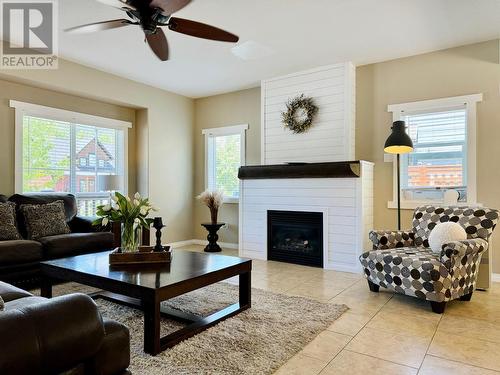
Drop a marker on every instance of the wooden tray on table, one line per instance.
(117, 257)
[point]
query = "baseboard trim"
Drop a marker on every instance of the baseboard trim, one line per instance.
(181, 243)
(342, 268)
(495, 277)
(226, 245)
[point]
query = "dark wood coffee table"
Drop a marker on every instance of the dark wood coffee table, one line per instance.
(146, 287)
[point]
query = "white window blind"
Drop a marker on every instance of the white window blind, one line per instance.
(60, 156)
(439, 159)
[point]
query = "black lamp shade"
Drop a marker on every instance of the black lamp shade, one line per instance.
(398, 142)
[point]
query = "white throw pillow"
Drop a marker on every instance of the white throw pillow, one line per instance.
(444, 233)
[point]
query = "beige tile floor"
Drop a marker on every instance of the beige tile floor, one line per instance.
(384, 333)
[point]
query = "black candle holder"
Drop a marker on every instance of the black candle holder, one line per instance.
(158, 225)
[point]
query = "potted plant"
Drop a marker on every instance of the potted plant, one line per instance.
(213, 200)
(131, 213)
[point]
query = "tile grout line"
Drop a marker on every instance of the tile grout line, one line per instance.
(452, 360)
(352, 337)
(430, 342)
(471, 318)
(463, 363)
(382, 359)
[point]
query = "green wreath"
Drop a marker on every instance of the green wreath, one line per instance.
(289, 117)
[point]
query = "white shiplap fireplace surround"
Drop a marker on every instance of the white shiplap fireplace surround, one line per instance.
(345, 200)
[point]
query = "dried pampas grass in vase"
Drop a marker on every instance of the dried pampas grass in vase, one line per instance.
(213, 199)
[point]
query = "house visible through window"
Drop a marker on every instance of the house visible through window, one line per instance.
(66, 156)
(225, 153)
(443, 135)
(439, 159)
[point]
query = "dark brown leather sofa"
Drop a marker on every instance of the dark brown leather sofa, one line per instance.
(60, 335)
(20, 259)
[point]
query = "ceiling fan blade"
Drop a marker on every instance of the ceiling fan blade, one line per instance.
(169, 6)
(158, 43)
(99, 26)
(118, 3)
(200, 30)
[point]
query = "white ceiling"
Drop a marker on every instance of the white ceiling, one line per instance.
(302, 33)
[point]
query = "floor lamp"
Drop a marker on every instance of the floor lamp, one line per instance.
(398, 143)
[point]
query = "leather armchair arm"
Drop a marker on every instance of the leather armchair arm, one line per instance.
(114, 355)
(387, 239)
(83, 224)
(456, 250)
(50, 337)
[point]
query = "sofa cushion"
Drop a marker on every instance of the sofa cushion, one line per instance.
(70, 205)
(44, 220)
(76, 243)
(414, 271)
(19, 251)
(8, 228)
(444, 233)
(10, 292)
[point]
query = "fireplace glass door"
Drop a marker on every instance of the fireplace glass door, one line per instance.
(295, 237)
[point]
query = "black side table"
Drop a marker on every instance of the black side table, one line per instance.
(213, 246)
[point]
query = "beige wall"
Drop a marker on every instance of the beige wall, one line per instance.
(241, 107)
(459, 71)
(164, 127)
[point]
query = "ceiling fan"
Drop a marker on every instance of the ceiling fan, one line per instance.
(150, 15)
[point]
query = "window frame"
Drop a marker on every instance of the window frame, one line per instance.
(210, 135)
(28, 109)
(469, 102)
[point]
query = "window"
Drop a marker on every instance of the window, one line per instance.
(224, 154)
(92, 159)
(443, 133)
(56, 151)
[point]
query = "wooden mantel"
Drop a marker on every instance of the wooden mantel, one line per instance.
(341, 169)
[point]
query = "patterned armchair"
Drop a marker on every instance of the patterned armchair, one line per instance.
(403, 262)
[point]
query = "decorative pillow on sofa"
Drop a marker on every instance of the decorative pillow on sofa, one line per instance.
(444, 233)
(44, 220)
(8, 229)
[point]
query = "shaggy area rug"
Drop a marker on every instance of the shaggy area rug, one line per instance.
(256, 341)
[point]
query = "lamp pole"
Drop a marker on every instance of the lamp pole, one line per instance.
(399, 193)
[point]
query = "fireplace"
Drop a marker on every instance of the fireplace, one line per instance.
(295, 237)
